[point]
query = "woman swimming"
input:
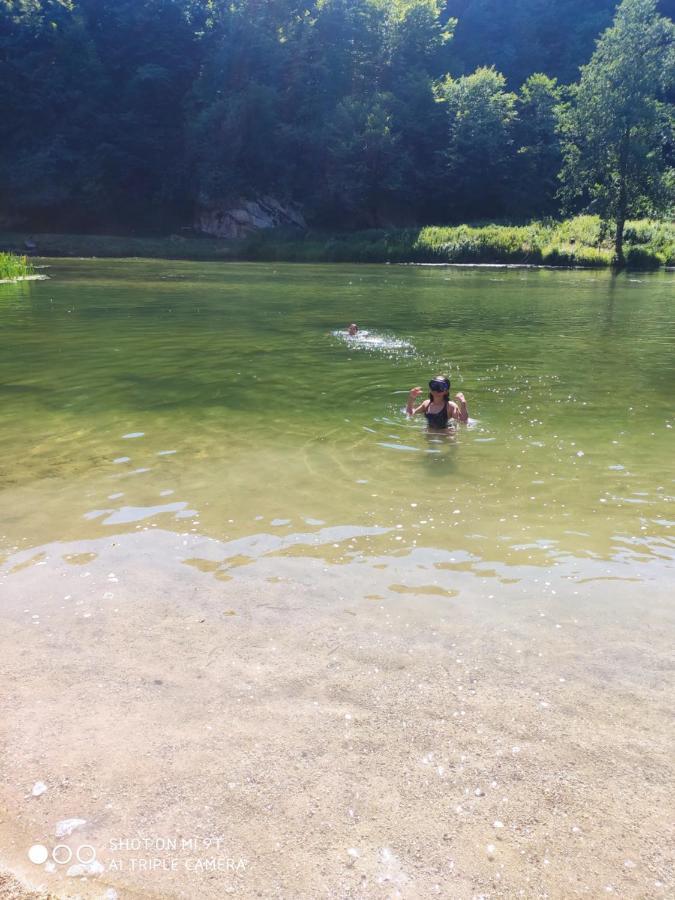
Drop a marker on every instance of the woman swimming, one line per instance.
(439, 409)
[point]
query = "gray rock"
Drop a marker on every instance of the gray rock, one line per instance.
(248, 216)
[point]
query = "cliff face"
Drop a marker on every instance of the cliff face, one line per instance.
(247, 216)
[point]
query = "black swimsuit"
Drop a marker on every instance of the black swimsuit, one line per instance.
(437, 419)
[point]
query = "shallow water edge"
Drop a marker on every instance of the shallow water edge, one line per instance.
(504, 739)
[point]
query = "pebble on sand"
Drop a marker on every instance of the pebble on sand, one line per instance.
(91, 868)
(67, 826)
(39, 788)
(491, 851)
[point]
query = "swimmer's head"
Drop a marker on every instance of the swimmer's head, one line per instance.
(353, 329)
(439, 384)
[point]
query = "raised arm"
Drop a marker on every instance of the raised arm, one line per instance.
(460, 410)
(411, 409)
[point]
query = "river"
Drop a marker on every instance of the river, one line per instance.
(201, 443)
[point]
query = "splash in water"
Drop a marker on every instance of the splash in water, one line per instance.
(373, 340)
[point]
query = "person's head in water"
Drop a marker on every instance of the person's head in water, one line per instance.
(439, 388)
(353, 329)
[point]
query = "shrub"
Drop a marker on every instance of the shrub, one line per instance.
(642, 232)
(591, 257)
(642, 258)
(586, 230)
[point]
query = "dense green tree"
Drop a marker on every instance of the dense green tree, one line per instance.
(234, 106)
(538, 154)
(145, 49)
(523, 37)
(421, 52)
(92, 114)
(481, 117)
(291, 116)
(46, 107)
(617, 128)
(131, 113)
(417, 38)
(366, 164)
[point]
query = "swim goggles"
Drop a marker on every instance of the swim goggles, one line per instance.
(441, 386)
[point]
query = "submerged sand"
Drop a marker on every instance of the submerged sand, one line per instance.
(288, 729)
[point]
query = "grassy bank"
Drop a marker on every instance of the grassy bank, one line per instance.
(582, 241)
(12, 266)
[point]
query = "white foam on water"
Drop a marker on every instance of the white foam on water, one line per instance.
(372, 340)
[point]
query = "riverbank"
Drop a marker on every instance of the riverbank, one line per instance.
(576, 242)
(307, 732)
(15, 268)
(23, 278)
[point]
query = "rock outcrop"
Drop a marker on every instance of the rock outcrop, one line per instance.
(248, 216)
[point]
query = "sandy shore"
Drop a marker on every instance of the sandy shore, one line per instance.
(286, 729)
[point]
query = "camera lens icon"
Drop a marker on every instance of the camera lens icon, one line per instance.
(38, 854)
(62, 854)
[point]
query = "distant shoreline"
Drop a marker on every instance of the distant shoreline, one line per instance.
(574, 243)
(24, 278)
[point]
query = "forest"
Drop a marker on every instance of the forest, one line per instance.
(132, 114)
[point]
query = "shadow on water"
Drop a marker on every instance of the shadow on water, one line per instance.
(611, 298)
(440, 450)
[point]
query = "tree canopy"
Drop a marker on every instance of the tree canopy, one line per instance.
(135, 113)
(619, 130)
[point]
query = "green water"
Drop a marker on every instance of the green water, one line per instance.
(257, 425)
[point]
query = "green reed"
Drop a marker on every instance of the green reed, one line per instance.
(12, 266)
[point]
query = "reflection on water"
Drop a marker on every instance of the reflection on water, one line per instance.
(231, 389)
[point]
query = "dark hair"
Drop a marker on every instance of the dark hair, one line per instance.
(441, 378)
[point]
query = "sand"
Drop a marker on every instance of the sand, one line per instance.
(288, 729)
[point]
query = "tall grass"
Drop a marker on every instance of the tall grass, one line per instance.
(581, 241)
(12, 266)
